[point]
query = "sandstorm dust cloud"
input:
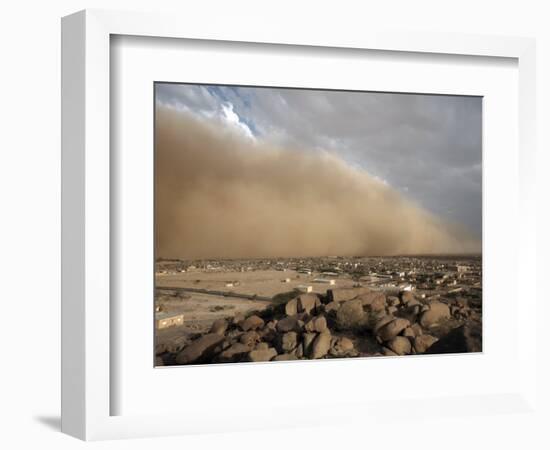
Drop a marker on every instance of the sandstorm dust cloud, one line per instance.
(221, 195)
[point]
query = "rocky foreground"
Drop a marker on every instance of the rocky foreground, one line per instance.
(346, 322)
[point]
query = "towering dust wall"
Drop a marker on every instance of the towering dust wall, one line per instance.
(220, 195)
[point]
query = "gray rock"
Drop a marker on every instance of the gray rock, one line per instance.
(392, 329)
(252, 323)
(350, 315)
(262, 355)
(321, 345)
(261, 346)
(200, 349)
(464, 339)
(436, 313)
(400, 345)
(423, 342)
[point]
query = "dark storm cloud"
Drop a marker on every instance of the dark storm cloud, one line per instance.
(427, 147)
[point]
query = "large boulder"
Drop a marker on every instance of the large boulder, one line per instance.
(350, 315)
(262, 355)
(464, 339)
(393, 301)
(250, 338)
(304, 303)
(409, 312)
(200, 349)
(251, 323)
(406, 296)
(400, 345)
(342, 346)
(262, 346)
(424, 342)
(307, 342)
(234, 353)
(308, 303)
(375, 300)
(316, 324)
(345, 294)
(238, 317)
(321, 345)
(289, 323)
(436, 313)
(286, 357)
(408, 333)
(382, 321)
(291, 307)
(417, 329)
(219, 326)
(392, 329)
(332, 306)
(289, 341)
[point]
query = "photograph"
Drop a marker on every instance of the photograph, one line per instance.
(297, 223)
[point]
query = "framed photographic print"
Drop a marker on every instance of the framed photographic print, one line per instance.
(289, 225)
(252, 211)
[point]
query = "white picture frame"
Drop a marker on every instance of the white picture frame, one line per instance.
(87, 325)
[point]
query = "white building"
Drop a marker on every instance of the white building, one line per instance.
(305, 288)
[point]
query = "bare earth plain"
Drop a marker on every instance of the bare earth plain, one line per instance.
(228, 292)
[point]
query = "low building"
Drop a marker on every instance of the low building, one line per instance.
(324, 280)
(166, 320)
(305, 288)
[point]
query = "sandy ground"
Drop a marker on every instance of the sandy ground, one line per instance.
(260, 282)
(201, 310)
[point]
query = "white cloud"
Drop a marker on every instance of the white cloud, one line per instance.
(233, 120)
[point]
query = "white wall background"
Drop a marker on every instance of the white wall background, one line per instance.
(29, 224)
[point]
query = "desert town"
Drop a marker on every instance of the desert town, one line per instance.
(223, 311)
